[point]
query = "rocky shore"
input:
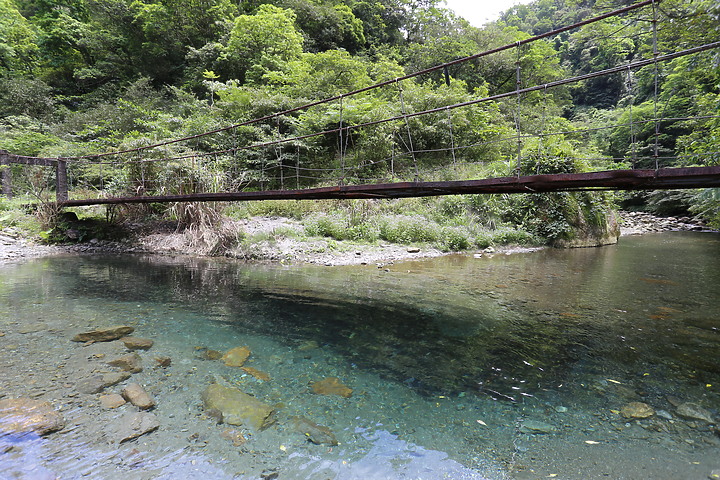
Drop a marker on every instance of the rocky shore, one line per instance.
(638, 223)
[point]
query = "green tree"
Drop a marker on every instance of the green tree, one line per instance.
(18, 47)
(263, 42)
(326, 26)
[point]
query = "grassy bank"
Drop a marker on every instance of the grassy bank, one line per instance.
(446, 223)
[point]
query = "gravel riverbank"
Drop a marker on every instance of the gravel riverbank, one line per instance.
(267, 245)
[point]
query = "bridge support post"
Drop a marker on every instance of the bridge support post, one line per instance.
(5, 174)
(61, 193)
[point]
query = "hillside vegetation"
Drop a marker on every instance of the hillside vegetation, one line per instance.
(80, 77)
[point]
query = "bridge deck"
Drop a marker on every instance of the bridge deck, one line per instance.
(670, 178)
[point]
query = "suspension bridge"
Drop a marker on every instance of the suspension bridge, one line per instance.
(282, 164)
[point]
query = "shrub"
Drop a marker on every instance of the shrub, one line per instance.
(453, 239)
(406, 230)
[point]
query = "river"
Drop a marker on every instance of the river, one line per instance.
(517, 366)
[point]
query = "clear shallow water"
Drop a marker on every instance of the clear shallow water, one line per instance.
(448, 358)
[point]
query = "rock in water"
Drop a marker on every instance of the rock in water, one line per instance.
(133, 425)
(317, 434)
(256, 373)
(128, 363)
(112, 400)
(98, 383)
(25, 415)
(137, 395)
(637, 410)
(236, 357)
(535, 427)
(693, 411)
(137, 343)
(163, 362)
(331, 386)
(238, 408)
(104, 334)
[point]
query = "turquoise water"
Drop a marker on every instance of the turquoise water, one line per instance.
(510, 366)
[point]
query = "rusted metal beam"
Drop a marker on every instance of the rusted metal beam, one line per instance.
(669, 178)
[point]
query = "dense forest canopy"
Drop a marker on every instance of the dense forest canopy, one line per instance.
(86, 76)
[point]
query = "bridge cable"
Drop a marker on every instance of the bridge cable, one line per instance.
(655, 96)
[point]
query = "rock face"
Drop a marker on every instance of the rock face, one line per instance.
(98, 383)
(236, 357)
(128, 363)
(137, 343)
(137, 395)
(637, 410)
(331, 386)
(693, 411)
(317, 434)
(133, 425)
(104, 334)
(588, 235)
(238, 408)
(25, 415)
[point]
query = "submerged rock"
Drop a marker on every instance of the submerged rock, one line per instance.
(104, 334)
(112, 400)
(535, 427)
(133, 425)
(163, 362)
(331, 386)
(211, 355)
(137, 343)
(237, 407)
(128, 363)
(236, 357)
(98, 383)
(236, 437)
(693, 411)
(136, 394)
(256, 373)
(25, 415)
(637, 410)
(317, 434)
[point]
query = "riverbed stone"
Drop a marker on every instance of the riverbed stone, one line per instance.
(104, 334)
(235, 436)
(137, 343)
(331, 386)
(163, 361)
(238, 408)
(26, 415)
(260, 375)
(211, 355)
(317, 434)
(536, 427)
(112, 400)
(236, 357)
(693, 411)
(98, 383)
(136, 394)
(637, 410)
(133, 425)
(128, 363)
